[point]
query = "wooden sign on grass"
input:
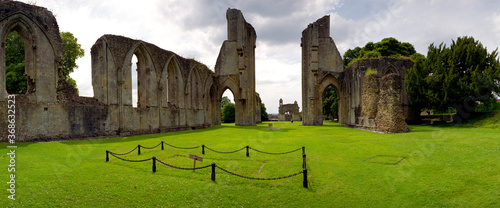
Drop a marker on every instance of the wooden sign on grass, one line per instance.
(195, 158)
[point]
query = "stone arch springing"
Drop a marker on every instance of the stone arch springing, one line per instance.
(391, 69)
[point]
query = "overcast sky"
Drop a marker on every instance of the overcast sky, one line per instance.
(197, 28)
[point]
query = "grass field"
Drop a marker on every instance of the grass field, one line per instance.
(434, 166)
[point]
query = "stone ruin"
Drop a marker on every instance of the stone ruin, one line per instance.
(288, 112)
(174, 93)
(362, 101)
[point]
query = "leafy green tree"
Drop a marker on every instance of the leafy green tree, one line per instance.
(386, 47)
(330, 102)
(225, 100)
(263, 113)
(16, 80)
(350, 55)
(457, 76)
(228, 113)
(72, 50)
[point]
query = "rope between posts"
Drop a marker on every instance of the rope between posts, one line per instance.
(151, 147)
(275, 153)
(181, 147)
(180, 168)
(126, 152)
(253, 178)
(113, 154)
(225, 152)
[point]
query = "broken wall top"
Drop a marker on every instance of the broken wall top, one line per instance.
(120, 46)
(42, 17)
(237, 27)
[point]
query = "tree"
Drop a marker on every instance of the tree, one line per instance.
(457, 76)
(225, 100)
(386, 47)
(228, 113)
(263, 113)
(16, 80)
(330, 102)
(72, 50)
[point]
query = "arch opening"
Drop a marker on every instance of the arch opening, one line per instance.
(16, 80)
(330, 103)
(228, 106)
(134, 63)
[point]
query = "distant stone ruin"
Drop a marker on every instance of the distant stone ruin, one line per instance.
(360, 100)
(174, 93)
(288, 112)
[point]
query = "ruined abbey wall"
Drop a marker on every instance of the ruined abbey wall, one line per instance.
(174, 93)
(322, 67)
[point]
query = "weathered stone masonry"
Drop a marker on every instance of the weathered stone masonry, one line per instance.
(174, 93)
(322, 67)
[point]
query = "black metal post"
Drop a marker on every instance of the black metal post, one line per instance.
(203, 149)
(303, 150)
(213, 172)
(154, 164)
(161, 145)
(107, 155)
(305, 178)
(139, 149)
(248, 154)
(304, 161)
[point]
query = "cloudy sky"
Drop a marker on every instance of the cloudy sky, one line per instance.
(197, 28)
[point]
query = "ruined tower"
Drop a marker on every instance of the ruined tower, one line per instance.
(321, 67)
(235, 67)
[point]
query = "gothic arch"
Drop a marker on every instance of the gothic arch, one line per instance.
(391, 69)
(171, 83)
(42, 57)
(146, 77)
(194, 89)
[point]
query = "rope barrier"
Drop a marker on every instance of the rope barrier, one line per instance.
(182, 147)
(213, 165)
(254, 178)
(225, 152)
(151, 147)
(181, 168)
(113, 154)
(126, 152)
(276, 153)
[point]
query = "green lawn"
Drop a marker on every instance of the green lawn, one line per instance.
(434, 166)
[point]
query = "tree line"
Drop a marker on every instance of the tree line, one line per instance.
(459, 76)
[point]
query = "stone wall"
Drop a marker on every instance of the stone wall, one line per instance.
(390, 118)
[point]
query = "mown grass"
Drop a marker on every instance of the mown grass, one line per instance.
(439, 166)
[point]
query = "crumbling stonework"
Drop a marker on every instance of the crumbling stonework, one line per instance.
(174, 93)
(235, 68)
(369, 101)
(390, 118)
(322, 67)
(292, 109)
